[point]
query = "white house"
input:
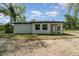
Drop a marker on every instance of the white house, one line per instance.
(39, 27)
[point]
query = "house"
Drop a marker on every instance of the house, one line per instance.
(39, 27)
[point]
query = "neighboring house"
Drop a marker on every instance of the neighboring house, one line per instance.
(39, 27)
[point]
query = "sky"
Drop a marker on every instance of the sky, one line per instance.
(41, 12)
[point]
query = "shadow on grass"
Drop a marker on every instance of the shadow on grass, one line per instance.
(62, 34)
(9, 36)
(58, 34)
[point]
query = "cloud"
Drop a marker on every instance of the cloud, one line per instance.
(47, 4)
(56, 7)
(1, 15)
(63, 4)
(36, 13)
(5, 19)
(52, 13)
(59, 6)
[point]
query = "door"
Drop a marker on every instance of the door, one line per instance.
(53, 28)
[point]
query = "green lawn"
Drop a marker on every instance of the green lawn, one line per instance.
(71, 30)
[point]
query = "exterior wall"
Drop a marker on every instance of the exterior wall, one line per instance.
(22, 28)
(55, 25)
(61, 27)
(41, 31)
(30, 28)
(48, 31)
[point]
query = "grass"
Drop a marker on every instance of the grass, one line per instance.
(9, 36)
(25, 36)
(33, 37)
(18, 36)
(30, 36)
(70, 30)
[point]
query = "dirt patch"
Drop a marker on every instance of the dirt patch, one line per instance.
(13, 47)
(41, 46)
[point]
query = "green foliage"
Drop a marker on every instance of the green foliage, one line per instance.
(1, 29)
(13, 10)
(72, 22)
(8, 28)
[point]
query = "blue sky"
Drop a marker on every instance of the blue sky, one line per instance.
(42, 11)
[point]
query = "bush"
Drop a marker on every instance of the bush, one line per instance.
(8, 28)
(1, 29)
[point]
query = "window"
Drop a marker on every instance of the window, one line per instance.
(44, 26)
(37, 27)
(58, 28)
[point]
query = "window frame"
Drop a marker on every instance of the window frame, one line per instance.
(37, 26)
(58, 27)
(44, 26)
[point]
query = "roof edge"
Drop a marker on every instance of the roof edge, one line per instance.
(39, 22)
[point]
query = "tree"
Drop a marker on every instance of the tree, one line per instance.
(72, 19)
(15, 11)
(69, 22)
(74, 7)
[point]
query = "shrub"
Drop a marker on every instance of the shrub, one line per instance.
(8, 28)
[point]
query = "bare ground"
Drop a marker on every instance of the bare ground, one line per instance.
(47, 45)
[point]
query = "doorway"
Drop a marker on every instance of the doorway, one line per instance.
(53, 28)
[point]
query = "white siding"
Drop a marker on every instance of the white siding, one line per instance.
(22, 28)
(30, 28)
(48, 31)
(41, 31)
(61, 28)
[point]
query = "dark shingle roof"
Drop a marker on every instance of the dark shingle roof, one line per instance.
(39, 22)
